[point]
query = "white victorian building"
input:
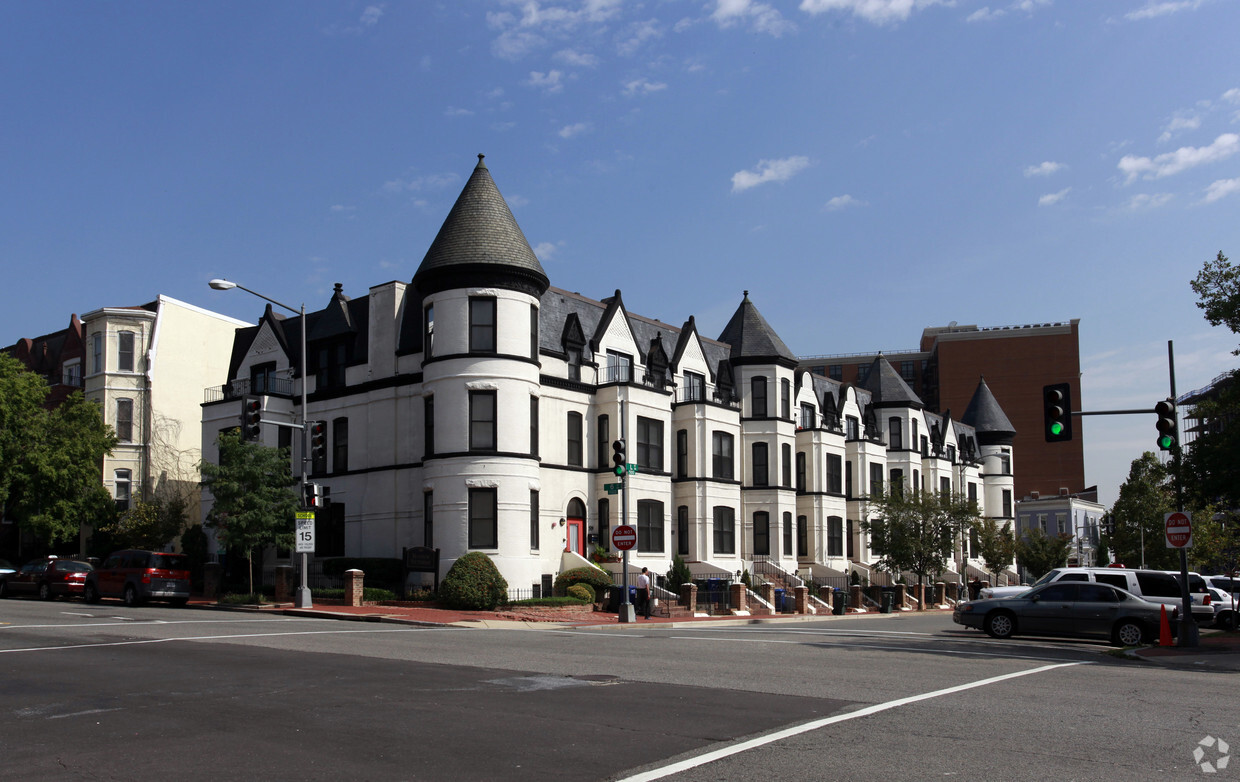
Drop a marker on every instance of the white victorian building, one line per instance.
(475, 407)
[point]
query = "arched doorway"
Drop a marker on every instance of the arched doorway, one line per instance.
(575, 534)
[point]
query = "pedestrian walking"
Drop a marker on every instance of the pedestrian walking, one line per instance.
(643, 593)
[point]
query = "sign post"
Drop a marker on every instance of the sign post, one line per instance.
(1179, 529)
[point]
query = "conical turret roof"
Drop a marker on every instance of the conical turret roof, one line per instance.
(752, 339)
(480, 243)
(987, 418)
(887, 388)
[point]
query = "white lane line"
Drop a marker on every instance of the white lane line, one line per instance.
(745, 746)
(80, 713)
(208, 638)
(152, 622)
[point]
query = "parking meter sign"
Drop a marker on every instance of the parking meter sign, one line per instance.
(624, 537)
(1179, 530)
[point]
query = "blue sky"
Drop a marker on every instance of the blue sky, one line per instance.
(865, 168)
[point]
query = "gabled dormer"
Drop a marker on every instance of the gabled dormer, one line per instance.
(613, 342)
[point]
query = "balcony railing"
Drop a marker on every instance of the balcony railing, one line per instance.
(274, 386)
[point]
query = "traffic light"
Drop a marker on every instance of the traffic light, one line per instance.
(1166, 424)
(618, 458)
(318, 439)
(1057, 412)
(312, 495)
(252, 420)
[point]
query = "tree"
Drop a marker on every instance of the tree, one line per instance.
(917, 530)
(995, 545)
(1217, 286)
(1039, 553)
(1139, 532)
(149, 524)
(254, 506)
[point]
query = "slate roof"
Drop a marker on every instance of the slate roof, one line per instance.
(985, 415)
(752, 338)
(888, 388)
(480, 231)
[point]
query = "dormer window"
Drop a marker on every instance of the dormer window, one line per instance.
(481, 324)
(695, 387)
(331, 360)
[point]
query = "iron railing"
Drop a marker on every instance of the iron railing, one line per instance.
(236, 389)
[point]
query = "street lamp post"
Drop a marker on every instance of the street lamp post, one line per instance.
(303, 589)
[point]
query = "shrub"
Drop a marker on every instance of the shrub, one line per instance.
(583, 592)
(595, 577)
(678, 575)
(369, 594)
(473, 583)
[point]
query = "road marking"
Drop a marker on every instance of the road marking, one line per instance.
(208, 638)
(745, 746)
(130, 622)
(81, 713)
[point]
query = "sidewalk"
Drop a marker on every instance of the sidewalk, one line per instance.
(1217, 651)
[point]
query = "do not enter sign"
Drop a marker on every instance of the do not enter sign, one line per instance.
(624, 537)
(1179, 530)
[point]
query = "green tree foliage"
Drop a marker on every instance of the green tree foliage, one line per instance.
(50, 481)
(1039, 553)
(1138, 513)
(254, 504)
(473, 583)
(148, 525)
(996, 545)
(1217, 286)
(916, 531)
(678, 575)
(598, 579)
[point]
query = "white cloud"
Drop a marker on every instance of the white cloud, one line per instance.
(769, 171)
(568, 131)
(761, 16)
(1180, 160)
(425, 182)
(1178, 124)
(1045, 168)
(545, 251)
(637, 34)
(987, 14)
(1149, 201)
(551, 81)
(1221, 188)
(642, 87)
(1232, 95)
(1156, 9)
(453, 111)
(842, 202)
(371, 16)
(1050, 199)
(874, 11)
(540, 23)
(579, 59)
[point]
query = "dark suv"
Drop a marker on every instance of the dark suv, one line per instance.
(138, 576)
(47, 577)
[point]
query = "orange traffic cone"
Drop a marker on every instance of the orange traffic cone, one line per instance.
(1164, 628)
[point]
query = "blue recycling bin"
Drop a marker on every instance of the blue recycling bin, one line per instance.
(781, 601)
(838, 608)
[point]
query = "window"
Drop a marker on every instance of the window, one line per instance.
(574, 440)
(428, 519)
(331, 361)
(534, 332)
(124, 351)
(1005, 463)
(973, 492)
(800, 471)
(619, 367)
(725, 530)
(604, 524)
(848, 479)
(802, 537)
(895, 434)
(848, 539)
(835, 473)
(340, 445)
(897, 480)
(876, 480)
(96, 352)
(682, 453)
(835, 536)
(682, 530)
(534, 426)
(721, 456)
(481, 324)
(807, 416)
(482, 420)
(533, 520)
(483, 527)
(852, 427)
(695, 387)
(261, 377)
(757, 397)
(124, 420)
(428, 426)
(650, 526)
(602, 431)
(945, 486)
(650, 445)
(835, 371)
(762, 533)
(975, 542)
(428, 331)
(951, 454)
(785, 466)
(121, 489)
(760, 477)
(574, 364)
(912, 441)
(925, 446)
(72, 373)
(863, 374)
(785, 399)
(787, 532)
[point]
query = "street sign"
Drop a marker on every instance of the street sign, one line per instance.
(1179, 530)
(624, 537)
(612, 488)
(631, 468)
(304, 536)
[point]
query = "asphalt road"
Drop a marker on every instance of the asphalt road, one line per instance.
(108, 692)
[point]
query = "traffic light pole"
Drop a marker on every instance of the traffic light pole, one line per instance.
(627, 614)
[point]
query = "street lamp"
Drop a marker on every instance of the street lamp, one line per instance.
(303, 589)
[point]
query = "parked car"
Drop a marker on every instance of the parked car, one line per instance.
(1157, 586)
(1068, 608)
(1224, 605)
(138, 576)
(48, 577)
(6, 567)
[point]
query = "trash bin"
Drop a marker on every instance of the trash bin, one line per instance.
(778, 606)
(888, 600)
(838, 603)
(614, 594)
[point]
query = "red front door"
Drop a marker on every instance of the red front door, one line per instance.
(576, 538)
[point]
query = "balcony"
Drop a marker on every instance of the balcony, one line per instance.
(272, 386)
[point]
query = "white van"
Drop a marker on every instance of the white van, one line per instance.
(1156, 586)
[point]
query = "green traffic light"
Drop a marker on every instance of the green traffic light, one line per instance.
(1057, 428)
(620, 471)
(1165, 442)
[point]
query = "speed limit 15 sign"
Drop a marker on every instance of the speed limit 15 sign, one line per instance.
(303, 536)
